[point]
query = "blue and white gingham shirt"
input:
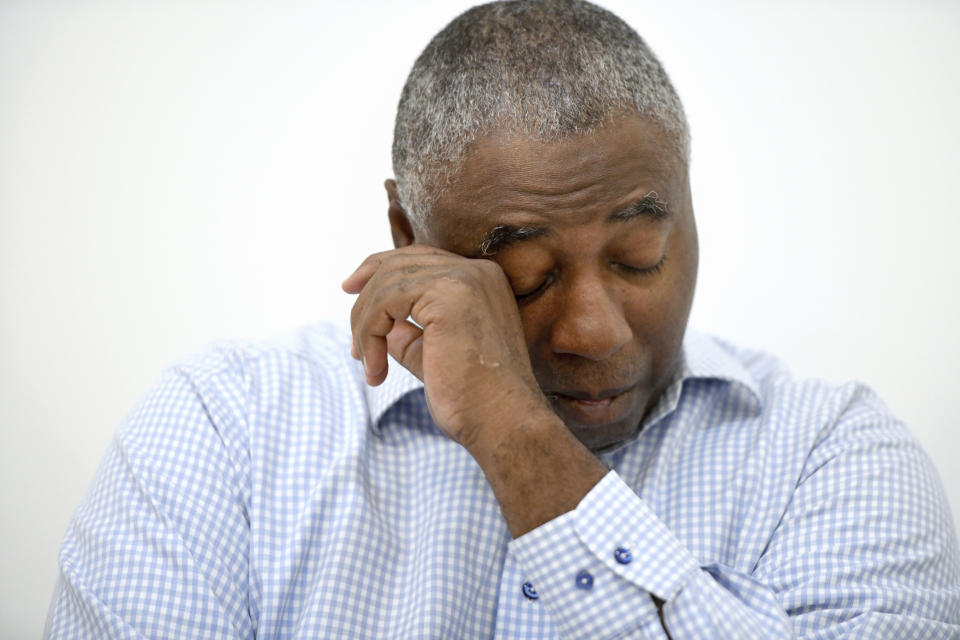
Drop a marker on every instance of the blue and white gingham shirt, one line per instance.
(265, 491)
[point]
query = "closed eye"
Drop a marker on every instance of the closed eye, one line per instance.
(644, 271)
(530, 296)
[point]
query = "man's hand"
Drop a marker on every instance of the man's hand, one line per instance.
(472, 358)
(470, 353)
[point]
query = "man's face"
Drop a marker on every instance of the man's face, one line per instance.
(597, 237)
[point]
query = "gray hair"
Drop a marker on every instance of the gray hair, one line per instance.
(541, 68)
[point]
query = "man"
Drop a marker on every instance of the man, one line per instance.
(551, 453)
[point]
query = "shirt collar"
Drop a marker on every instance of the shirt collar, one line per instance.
(704, 357)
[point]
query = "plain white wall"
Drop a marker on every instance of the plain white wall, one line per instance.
(173, 172)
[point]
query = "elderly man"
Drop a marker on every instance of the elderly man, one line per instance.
(550, 452)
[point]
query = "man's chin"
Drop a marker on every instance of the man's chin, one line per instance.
(600, 439)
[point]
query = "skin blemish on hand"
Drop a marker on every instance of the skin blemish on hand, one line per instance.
(492, 365)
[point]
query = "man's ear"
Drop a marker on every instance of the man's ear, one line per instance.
(400, 227)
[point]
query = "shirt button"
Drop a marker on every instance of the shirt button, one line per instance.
(623, 555)
(529, 591)
(584, 580)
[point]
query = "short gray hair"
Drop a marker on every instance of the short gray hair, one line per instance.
(543, 68)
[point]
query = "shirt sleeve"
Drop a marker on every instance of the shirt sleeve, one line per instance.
(866, 549)
(158, 546)
(596, 568)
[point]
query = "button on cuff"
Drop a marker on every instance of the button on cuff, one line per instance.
(584, 580)
(529, 591)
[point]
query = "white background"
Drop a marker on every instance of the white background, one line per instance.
(174, 172)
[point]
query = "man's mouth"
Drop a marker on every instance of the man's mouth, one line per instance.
(594, 408)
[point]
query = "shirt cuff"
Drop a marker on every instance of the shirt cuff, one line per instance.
(595, 567)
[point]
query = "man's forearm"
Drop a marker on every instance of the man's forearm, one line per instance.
(538, 470)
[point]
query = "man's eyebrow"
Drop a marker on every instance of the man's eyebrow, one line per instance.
(649, 205)
(504, 235)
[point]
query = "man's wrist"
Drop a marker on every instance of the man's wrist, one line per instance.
(537, 469)
(512, 419)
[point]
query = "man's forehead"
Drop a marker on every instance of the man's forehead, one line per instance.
(508, 178)
(627, 134)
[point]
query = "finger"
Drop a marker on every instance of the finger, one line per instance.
(404, 277)
(386, 308)
(375, 365)
(405, 345)
(405, 256)
(387, 295)
(356, 280)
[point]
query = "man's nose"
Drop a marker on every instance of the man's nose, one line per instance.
(590, 321)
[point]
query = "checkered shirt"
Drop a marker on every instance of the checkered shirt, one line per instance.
(264, 491)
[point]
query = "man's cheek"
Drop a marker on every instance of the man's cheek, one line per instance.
(535, 332)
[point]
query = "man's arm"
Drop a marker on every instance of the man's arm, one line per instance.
(576, 526)
(865, 550)
(472, 358)
(159, 546)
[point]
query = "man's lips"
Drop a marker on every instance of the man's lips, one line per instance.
(595, 407)
(592, 396)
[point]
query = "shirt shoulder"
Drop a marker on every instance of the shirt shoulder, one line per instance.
(254, 392)
(246, 375)
(808, 421)
(324, 347)
(779, 391)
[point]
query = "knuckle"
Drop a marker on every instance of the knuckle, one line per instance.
(454, 284)
(385, 295)
(372, 261)
(493, 269)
